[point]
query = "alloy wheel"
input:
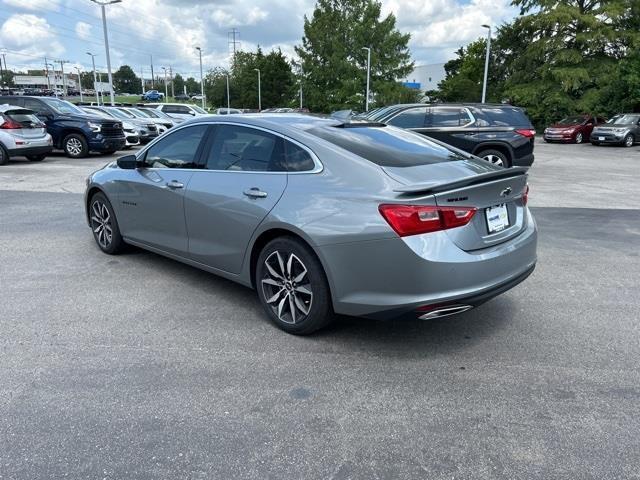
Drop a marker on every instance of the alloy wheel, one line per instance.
(496, 160)
(628, 141)
(74, 146)
(579, 138)
(101, 224)
(286, 287)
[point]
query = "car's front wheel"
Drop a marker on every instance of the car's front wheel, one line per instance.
(629, 140)
(104, 225)
(75, 146)
(496, 157)
(293, 287)
(579, 138)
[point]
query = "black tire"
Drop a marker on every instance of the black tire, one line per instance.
(628, 140)
(4, 155)
(496, 157)
(36, 158)
(75, 146)
(579, 138)
(298, 290)
(97, 205)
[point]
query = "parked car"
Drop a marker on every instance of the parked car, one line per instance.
(182, 96)
(73, 130)
(197, 96)
(500, 134)
(623, 129)
(227, 111)
(147, 130)
(131, 131)
(163, 121)
(22, 134)
(574, 129)
(152, 95)
(322, 216)
(179, 110)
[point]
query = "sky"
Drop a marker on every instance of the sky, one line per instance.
(170, 29)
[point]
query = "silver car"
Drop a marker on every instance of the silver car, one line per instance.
(322, 216)
(22, 134)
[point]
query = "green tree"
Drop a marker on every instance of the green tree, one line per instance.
(126, 81)
(178, 83)
(333, 61)
(193, 86)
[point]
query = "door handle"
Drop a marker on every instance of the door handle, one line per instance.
(255, 192)
(173, 184)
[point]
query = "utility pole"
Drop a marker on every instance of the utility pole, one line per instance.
(64, 81)
(102, 4)
(142, 79)
(166, 91)
(80, 84)
(6, 70)
(231, 37)
(173, 93)
(201, 77)
(366, 103)
(486, 64)
(228, 100)
(46, 72)
(259, 92)
(153, 85)
(95, 81)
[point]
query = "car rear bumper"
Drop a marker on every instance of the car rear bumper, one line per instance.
(30, 150)
(395, 277)
(525, 161)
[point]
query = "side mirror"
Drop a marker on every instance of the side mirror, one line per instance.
(128, 162)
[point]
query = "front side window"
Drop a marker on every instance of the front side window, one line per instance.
(412, 118)
(176, 150)
(237, 148)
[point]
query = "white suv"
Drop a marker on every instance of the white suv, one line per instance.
(179, 110)
(22, 134)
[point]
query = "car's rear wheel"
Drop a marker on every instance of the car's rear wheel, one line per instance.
(292, 286)
(628, 140)
(4, 156)
(496, 157)
(36, 158)
(579, 137)
(75, 146)
(104, 225)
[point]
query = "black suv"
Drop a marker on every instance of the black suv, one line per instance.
(72, 130)
(501, 134)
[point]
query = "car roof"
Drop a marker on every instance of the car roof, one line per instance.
(6, 107)
(277, 121)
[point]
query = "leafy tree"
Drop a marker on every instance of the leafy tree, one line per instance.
(193, 86)
(6, 79)
(125, 80)
(334, 62)
(178, 83)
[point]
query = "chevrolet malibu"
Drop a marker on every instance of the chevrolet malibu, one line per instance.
(322, 216)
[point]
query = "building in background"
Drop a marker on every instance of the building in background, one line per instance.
(39, 80)
(425, 77)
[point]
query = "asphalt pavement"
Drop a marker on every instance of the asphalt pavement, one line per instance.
(140, 367)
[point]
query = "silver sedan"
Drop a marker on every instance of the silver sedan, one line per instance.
(320, 216)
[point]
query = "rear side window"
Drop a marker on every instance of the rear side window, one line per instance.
(506, 117)
(297, 158)
(411, 118)
(449, 117)
(387, 146)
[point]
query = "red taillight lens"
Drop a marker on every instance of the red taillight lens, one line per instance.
(10, 124)
(525, 195)
(526, 132)
(414, 219)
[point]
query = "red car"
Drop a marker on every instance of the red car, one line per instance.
(575, 129)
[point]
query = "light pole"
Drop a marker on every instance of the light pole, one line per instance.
(201, 77)
(102, 4)
(228, 100)
(166, 90)
(259, 92)
(79, 84)
(368, 49)
(486, 64)
(95, 80)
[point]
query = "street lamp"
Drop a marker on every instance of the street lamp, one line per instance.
(95, 80)
(228, 100)
(201, 78)
(79, 84)
(486, 63)
(368, 49)
(259, 92)
(102, 4)
(166, 91)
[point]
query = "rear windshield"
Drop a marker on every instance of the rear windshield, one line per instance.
(26, 118)
(387, 146)
(506, 117)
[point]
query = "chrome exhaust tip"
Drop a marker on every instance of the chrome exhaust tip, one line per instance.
(445, 311)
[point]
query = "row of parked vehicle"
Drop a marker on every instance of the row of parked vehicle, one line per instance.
(623, 129)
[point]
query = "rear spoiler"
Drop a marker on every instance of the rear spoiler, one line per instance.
(435, 187)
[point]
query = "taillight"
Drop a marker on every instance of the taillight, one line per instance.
(10, 124)
(525, 195)
(414, 219)
(526, 132)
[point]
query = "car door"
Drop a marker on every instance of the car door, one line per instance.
(243, 178)
(452, 125)
(151, 199)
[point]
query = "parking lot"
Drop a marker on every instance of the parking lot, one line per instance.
(137, 366)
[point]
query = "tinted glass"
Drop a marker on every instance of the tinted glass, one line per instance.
(176, 150)
(25, 118)
(412, 118)
(506, 116)
(34, 105)
(298, 159)
(575, 120)
(449, 117)
(62, 106)
(625, 120)
(245, 149)
(387, 146)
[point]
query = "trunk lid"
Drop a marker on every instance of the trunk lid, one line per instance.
(469, 183)
(32, 127)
